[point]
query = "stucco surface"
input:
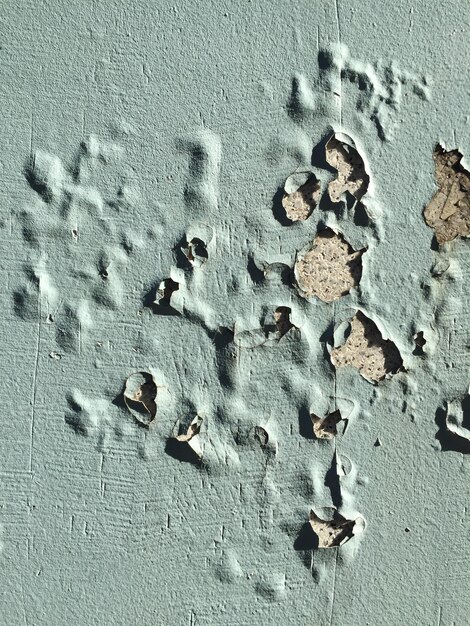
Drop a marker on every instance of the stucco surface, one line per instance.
(146, 149)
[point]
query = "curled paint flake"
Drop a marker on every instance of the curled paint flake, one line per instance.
(140, 393)
(187, 446)
(269, 333)
(455, 420)
(344, 466)
(193, 430)
(164, 292)
(195, 251)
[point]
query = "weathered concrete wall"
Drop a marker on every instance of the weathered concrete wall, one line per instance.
(235, 351)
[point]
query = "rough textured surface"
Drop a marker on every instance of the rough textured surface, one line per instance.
(145, 147)
(346, 160)
(300, 203)
(326, 427)
(449, 210)
(366, 350)
(336, 531)
(330, 269)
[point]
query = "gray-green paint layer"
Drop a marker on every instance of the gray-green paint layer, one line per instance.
(193, 115)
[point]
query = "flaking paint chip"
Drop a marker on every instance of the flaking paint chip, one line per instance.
(341, 153)
(330, 268)
(261, 435)
(367, 350)
(326, 427)
(164, 292)
(282, 320)
(196, 252)
(455, 422)
(140, 393)
(420, 343)
(268, 333)
(300, 200)
(448, 212)
(193, 430)
(336, 531)
(191, 437)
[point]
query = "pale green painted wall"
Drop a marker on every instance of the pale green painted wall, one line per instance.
(188, 116)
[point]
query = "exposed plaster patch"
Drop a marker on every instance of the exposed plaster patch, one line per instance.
(330, 269)
(335, 531)
(302, 194)
(448, 212)
(366, 350)
(342, 154)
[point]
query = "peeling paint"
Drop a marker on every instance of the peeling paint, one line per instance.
(456, 418)
(140, 393)
(301, 198)
(326, 427)
(208, 240)
(330, 268)
(365, 349)
(165, 291)
(189, 441)
(336, 531)
(448, 212)
(342, 154)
